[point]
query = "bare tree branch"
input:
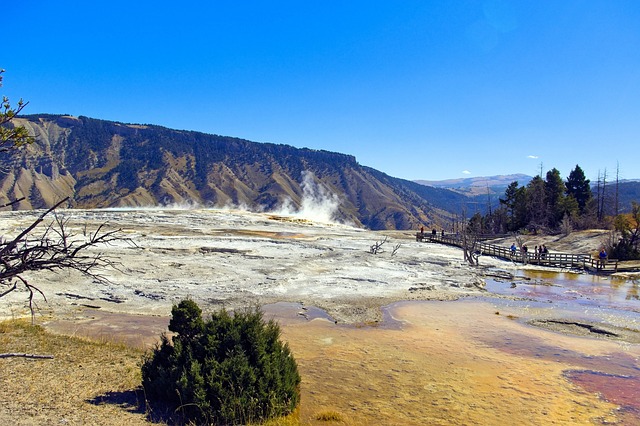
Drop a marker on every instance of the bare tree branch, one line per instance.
(15, 286)
(57, 248)
(10, 203)
(19, 238)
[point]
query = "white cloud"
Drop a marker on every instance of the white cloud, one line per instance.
(466, 172)
(535, 157)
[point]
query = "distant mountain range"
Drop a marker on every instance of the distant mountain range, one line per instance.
(628, 191)
(473, 186)
(101, 164)
(485, 191)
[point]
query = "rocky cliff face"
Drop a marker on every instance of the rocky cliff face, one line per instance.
(102, 164)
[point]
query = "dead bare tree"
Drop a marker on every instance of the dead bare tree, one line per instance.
(56, 248)
(469, 237)
(395, 249)
(519, 240)
(566, 225)
(469, 241)
(377, 247)
(520, 243)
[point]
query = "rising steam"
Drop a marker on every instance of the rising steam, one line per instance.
(317, 204)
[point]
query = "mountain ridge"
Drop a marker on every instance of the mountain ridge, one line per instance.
(100, 163)
(477, 185)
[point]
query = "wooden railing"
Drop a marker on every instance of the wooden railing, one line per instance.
(559, 260)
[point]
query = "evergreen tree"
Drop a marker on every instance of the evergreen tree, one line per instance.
(570, 207)
(232, 369)
(497, 222)
(555, 190)
(514, 202)
(578, 187)
(536, 203)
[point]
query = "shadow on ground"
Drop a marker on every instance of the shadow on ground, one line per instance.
(130, 400)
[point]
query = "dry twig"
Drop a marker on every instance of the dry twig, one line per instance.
(21, 355)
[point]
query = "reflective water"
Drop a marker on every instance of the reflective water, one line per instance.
(285, 312)
(580, 289)
(614, 376)
(580, 296)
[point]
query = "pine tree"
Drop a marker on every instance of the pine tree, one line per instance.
(514, 202)
(555, 190)
(578, 187)
(537, 203)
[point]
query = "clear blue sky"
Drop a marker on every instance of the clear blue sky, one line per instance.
(416, 89)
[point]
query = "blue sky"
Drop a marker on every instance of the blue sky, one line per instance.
(417, 89)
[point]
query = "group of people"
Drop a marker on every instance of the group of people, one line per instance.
(542, 251)
(434, 232)
(539, 252)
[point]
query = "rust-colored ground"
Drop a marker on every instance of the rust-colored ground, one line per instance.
(448, 363)
(438, 371)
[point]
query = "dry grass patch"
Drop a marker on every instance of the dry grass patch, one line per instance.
(86, 382)
(329, 416)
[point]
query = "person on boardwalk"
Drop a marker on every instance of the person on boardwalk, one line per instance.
(602, 258)
(513, 249)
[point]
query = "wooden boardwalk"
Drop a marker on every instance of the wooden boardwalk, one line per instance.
(585, 262)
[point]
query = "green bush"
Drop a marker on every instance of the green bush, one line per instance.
(232, 369)
(624, 250)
